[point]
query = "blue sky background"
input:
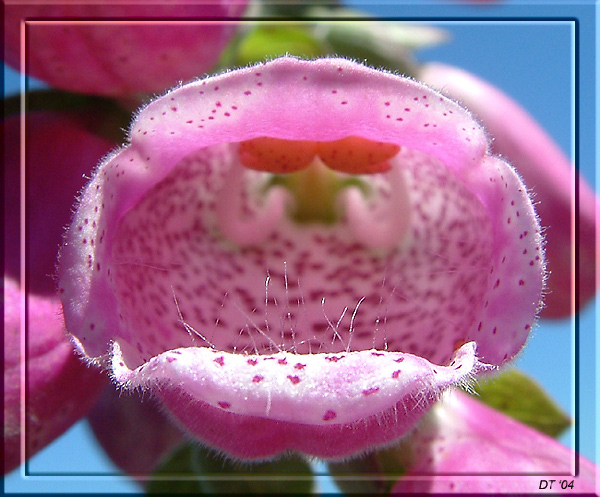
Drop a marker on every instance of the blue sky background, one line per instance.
(531, 61)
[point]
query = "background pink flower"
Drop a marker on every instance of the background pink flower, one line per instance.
(59, 387)
(148, 50)
(464, 446)
(546, 171)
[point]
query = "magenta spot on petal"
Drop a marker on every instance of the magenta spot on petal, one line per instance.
(395, 374)
(257, 379)
(224, 405)
(294, 379)
(220, 361)
(521, 282)
(121, 364)
(376, 353)
(92, 326)
(329, 415)
(370, 391)
(344, 102)
(299, 366)
(252, 362)
(400, 359)
(282, 361)
(171, 359)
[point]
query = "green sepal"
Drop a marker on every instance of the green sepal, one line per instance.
(517, 395)
(271, 40)
(332, 31)
(194, 469)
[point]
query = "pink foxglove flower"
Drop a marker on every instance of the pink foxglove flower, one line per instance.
(119, 49)
(545, 170)
(301, 256)
(464, 446)
(58, 387)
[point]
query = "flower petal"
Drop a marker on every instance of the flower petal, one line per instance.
(463, 440)
(121, 58)
(356, 384)
(545, 170)
(147, 267)
(60, 388)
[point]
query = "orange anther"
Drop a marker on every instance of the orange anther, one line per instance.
(459, 343)
(355, 155)
(275, 155)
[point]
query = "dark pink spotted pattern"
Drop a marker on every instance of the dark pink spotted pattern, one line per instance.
(306, 289)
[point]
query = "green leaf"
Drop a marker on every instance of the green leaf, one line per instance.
(277, 39)
(520, 397)
(373, 473)
(193, 469)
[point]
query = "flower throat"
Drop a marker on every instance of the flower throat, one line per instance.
(310, 171)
